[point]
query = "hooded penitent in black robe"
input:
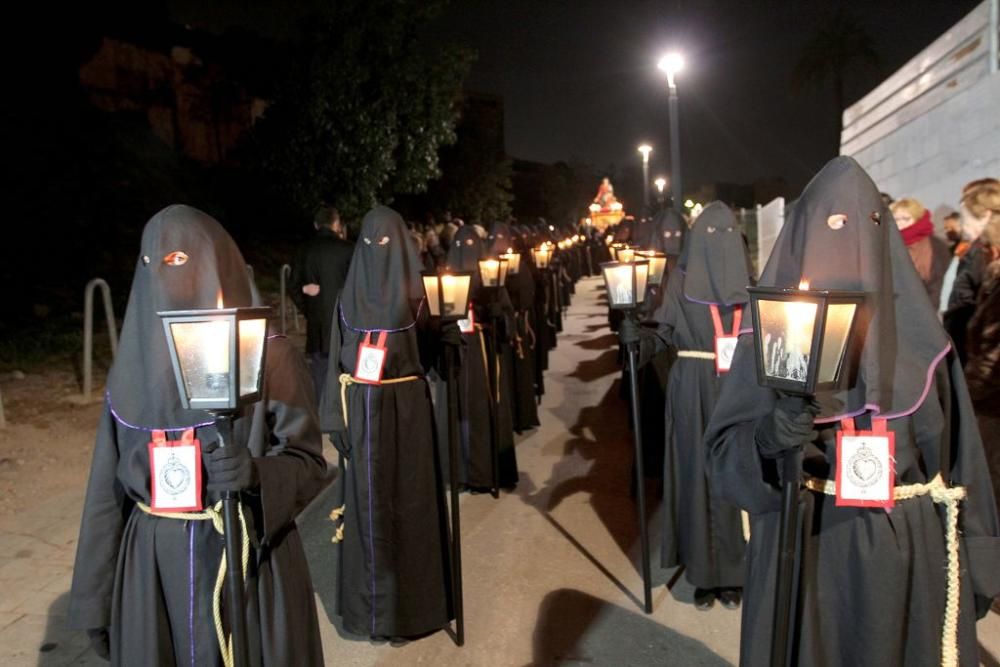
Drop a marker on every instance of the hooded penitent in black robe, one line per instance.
(700, 531)
(475, 376)
(521, 289)
(150, 580)
(872, 583)
(394, 575)
(666, 236)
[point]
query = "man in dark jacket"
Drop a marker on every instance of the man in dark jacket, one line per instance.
(972, 265)
(318, 275)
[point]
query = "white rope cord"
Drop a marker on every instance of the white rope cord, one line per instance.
(950, 498)
(695, 354)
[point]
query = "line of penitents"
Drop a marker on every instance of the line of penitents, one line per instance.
(147, 584)
(873, 587)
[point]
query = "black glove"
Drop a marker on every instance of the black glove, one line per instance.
(789, 426)
(494, 310)
(229, 469)
(100, 642)
(629, 332)
(451, 335)
(342, 443)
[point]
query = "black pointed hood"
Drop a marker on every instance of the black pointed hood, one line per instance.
(669, 231)
(186, 261)
(466, 250)
(840, 235)
(714, 260)
(383, 283)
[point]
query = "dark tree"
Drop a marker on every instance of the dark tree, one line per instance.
(367, 104)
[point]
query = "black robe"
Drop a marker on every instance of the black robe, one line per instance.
(394, 574)
(151, 580)
(871, 584)
(701, 531)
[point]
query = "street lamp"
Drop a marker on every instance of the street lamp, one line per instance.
(671, 64)
(217, 358)
(645, 149)
(626, 286)
(447, 294)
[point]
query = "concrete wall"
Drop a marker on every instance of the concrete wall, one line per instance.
(934, 125)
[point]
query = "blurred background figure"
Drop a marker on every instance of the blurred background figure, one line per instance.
(929, 253)
(318, 275)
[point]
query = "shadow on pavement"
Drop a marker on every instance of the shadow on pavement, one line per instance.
(576, 628)
(598, 367)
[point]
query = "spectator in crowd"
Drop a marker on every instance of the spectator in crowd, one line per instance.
(928, 252)
(435, 253)
(979, 199)
(982, 368)
(953, 230)
(318, 274)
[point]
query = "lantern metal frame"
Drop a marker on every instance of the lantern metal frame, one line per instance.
(822, 299)
(638, 296)
(502, 267)
(538, 253)
(458, 313)
(657, 260)
(513, 261)
(235, 400)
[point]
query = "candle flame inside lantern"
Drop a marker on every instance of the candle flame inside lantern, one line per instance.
(218, 300)
(804, 285)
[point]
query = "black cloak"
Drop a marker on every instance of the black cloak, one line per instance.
(871, 589)
(475, 376)
(521, 289)
(700, 531)
(394, 574)
(148, 579)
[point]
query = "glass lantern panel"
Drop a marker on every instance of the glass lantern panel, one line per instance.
(433, 298)
(489, 271)
(786, 338)
(504, 267)
(456, 294)
(626, 254)
(252, 335)
(839, 317)
(641, 277)
(203, 354)
(619, 283)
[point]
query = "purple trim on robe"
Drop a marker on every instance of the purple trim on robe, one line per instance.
(120, 420)
(191, 588)
(347, 324)
(371, 505)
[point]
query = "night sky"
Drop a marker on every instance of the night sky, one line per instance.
(579, 78)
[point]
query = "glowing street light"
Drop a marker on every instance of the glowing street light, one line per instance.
(660, 183)
(671, 64)
(645, 149)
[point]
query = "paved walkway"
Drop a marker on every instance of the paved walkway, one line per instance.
(551, 570)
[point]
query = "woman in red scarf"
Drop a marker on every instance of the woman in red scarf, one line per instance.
(929, 253)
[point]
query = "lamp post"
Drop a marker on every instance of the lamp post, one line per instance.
(802, 342)
(626, 287)
(218, 361)
(448, 299)
(493, 273)
(671, 64)
(645, 149)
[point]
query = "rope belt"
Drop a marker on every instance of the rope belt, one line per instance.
(338, 515)
(696, 354)
(346, 380)
(528, 329)
(941, 494)
(214, 514)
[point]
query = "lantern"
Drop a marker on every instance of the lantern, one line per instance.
(625, 254)
(542, 256)
(493, 271)
(802, 336)
(447, 293)
(626, 283)
(513, 261)
(657, 265)
(217, 356)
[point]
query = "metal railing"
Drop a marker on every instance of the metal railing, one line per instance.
(286, 271)
(88, 329)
